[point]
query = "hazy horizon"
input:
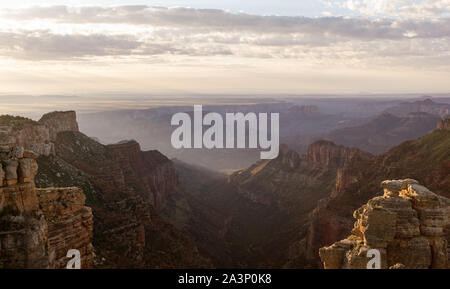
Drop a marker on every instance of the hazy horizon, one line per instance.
(34, 106)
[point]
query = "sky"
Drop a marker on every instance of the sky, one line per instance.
(231, 47)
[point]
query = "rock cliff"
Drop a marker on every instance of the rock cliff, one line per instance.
(278, 181)
(23, 228)
(69, 223)
(426, 159)
(59, 121)
(326, 154)
(285, 190)
(406, 225)
(36, 136)
(320, 190)
(38, 227)
(128, 190)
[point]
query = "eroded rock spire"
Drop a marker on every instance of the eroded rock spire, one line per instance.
(406, 225)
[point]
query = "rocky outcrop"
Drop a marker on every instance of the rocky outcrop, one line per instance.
(36, 136)
(59, 121)
(128, 189)
(326, 154)
(27, 134)
(289, 187)
(150, 171)
(406, 225)
(426, 159)
(340, 165)
(348, 162)
(23, 228)
(69, 222)
(38, 228)
(324, 227)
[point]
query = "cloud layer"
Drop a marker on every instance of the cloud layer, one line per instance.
(396, 8)
(83, 33)
(224, 21)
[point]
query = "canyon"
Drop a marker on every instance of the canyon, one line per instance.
(128, 190)
(123, 207)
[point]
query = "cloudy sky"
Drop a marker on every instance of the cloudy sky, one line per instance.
(172, 47)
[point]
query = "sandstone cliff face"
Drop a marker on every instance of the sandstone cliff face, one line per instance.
(37, 232)
(69, 222)
(324, 166)
(36, 136)
(288, 189)
(426, 159)
(407, 225)
(348, 162)
(17, 131)
(326, 154)
(150, 171)
(23, 229)
(59, 121)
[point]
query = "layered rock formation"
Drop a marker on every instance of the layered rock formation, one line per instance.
(279, 181)
(128, 190)
(37, 228)
(59, 121)
(325, 154)
(426, 159)
(406, 225)
(23, 228)
(285, 191)
(69, 223)
(36, 136)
